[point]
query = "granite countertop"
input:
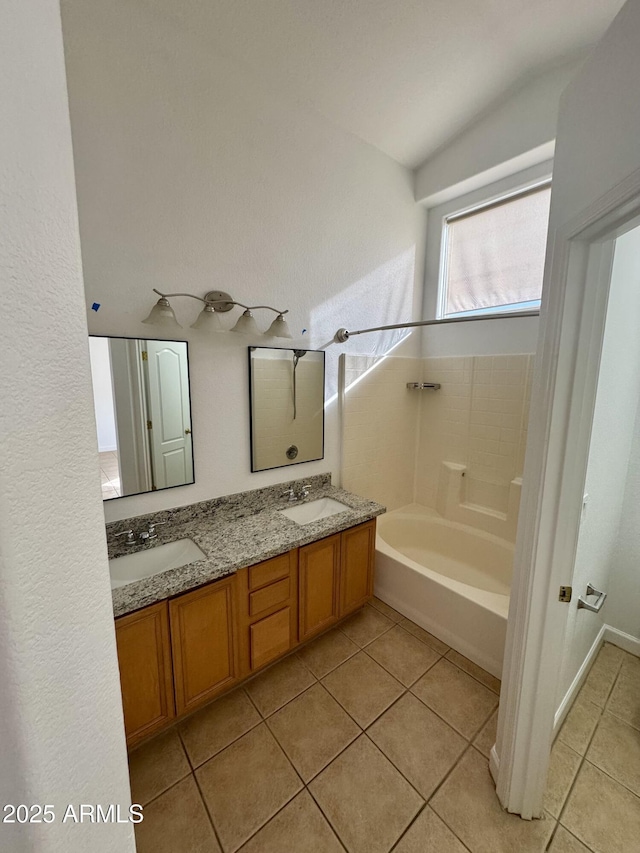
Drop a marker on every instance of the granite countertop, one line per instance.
(234, 532)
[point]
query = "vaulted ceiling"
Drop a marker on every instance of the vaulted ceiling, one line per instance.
(403, 75)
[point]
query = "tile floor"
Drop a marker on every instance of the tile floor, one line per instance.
(375, 737)
(110, 474)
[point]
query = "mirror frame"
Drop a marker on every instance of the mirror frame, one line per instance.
(250, 349)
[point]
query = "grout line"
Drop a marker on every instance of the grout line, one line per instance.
(209, 815)
(162, 793)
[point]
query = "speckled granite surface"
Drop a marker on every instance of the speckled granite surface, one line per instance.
(233, 531)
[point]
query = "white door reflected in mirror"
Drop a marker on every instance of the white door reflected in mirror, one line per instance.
(143, 414)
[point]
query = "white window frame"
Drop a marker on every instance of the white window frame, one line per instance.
(515, 185)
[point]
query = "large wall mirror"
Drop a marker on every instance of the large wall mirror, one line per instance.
(143, 414)
(287, 406)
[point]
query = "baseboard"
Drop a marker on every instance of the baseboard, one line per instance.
(494, 764)
(624, 641)
(578, 681)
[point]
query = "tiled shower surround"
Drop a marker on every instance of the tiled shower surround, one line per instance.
(400, 446)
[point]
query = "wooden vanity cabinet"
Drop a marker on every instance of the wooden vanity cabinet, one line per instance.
(177, 655)
(267, 596)
(144, 656)
(319, 580)
(204, 643)
(357, 553)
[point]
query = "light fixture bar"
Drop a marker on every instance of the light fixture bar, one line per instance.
(217, 301)
(343, 335)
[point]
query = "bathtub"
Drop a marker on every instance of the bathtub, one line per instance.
(451, 579)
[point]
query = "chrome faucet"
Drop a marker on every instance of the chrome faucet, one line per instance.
(304, 491)
(150, 533)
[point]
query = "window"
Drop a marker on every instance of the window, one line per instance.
(493, 255)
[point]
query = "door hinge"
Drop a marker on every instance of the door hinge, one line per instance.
(565, 594)
(149, 425)
(145, 355)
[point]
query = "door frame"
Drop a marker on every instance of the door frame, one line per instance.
(572, 320)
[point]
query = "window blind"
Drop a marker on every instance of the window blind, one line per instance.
(495, 255)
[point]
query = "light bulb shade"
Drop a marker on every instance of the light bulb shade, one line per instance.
(162, 314)
(278, 329)
(208, 321)
(246, 325)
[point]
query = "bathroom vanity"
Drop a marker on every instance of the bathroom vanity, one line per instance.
(266, 585)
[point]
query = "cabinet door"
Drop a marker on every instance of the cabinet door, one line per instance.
(144, 657)
(356, 566)
(270, 638)
(319, 577)
(204, 643)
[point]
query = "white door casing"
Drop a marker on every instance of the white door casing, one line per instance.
(169, 413)
(596, 195)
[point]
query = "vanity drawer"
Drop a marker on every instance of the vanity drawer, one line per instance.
(269, 596)
(270, 571)
(270, 637)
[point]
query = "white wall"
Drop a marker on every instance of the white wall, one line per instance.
(517, 133)
(103, 393)
(623, 604)
(612, 443)
(193, 174)
(61, 728)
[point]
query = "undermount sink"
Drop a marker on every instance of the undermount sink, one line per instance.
(314, 510)
(153, 561)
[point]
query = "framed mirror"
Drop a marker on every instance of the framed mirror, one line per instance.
(143, 414)
(286, 393)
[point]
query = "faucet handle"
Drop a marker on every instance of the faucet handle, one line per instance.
(152, 529)
(304, 490)
(131, 539)
(290, 493)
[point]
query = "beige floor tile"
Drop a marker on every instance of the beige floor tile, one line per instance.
(365, 625)
(216, 726)
(245, 785)
(615, 748)
(418, 743)
(279, 684)
(157, 766)
(404, 656)
(368, 803)
(327, 652)
(625, 698)
(459, 699)
(384, 608)
(468, 804)
(602, 814)
(428, 834)
(175, 822)
(602, 675)
(564, 842)
(486, 737)
(563, 768)
(299, 828)
(312, 730)
(580, 724)
(436, 644)
(363, 688)
(474, 670)
(630, 665)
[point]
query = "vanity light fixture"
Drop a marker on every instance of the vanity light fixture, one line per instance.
(216, 302)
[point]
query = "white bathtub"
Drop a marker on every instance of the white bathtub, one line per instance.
(451, 579)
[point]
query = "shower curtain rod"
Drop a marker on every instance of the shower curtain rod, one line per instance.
(343, 335)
